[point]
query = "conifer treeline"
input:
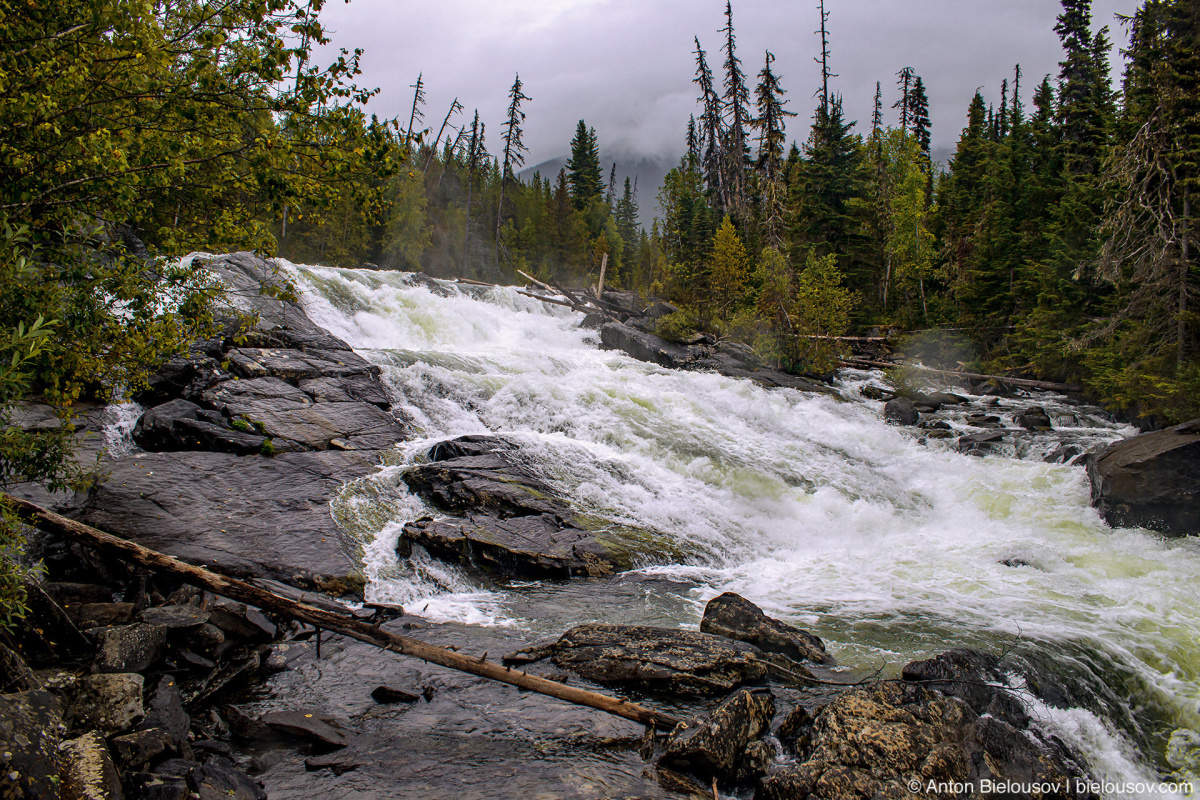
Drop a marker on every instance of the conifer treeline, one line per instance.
(1059, 234)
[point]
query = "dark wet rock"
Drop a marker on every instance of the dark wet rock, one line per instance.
(99, 615)
(206, 638)
(347, 388)
(219, 779)
(735, 617)
(878, 740)
(390, 694)
(30, 730)
(757, 759)
(1063, 454)
(292, 420)
(295, 365)
(470, 445)
(993, 388)
(945, 398)
(512, 524)
(135, 750)
(1150, 481)
(164, 710)
(337, 763)
(713, 746)
(246, 515)
(182, 425)
(186, 377)
(873, 392)
(536, 651)
(900, 411)
(87, 769)
(725, 358)
(973, 677)
(239, 621)
(305, 725)
(667, 660)
(15, 674)
(129, 648)
(108, 702)
(215, 747)
(494, 481)
(979, 444)
(245, 727)
(46, 635)
(174, 617)
(593, 321)
(1034, 418)
(65, 593)
(983, 420)
(528, 546)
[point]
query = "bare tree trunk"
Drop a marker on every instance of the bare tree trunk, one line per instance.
(1181, 333)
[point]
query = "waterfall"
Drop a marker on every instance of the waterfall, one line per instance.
(887, 547)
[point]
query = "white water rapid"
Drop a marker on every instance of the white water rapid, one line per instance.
(810, 506)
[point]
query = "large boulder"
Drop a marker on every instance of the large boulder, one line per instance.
(505, 520)
(667, 660)
(736, 617)
(884, 739)
(731, 359)
(900, 411)
(1150, 481)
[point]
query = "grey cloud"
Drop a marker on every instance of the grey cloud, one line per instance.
(626, 67)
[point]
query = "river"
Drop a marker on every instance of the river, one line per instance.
(888, 547)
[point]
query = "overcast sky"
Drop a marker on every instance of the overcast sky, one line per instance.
(626, 66)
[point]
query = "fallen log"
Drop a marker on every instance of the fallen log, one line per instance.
(1024, 383)
(536, 282)
(470, 282)
(545, 299)
(244, 592)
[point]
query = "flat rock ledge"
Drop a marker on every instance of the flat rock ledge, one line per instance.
(502, 519)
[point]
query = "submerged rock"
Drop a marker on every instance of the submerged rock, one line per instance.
(668, 660)
(736, 617)
(1150, 481)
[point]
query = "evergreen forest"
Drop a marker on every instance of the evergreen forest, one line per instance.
(1056, 238)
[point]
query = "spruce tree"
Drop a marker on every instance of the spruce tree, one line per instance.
(904, 80)
(771, 122)
(919, 113)
(583, 170)
(712, 130)
(737, 119)
(514, 148)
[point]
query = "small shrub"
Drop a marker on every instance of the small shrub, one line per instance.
(678, 326)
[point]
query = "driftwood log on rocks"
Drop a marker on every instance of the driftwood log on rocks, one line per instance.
(356, 629)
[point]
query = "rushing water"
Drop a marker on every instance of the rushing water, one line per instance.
(888, 547)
